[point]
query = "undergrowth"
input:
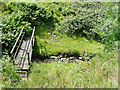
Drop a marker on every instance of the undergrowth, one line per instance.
(49, 42)
(63, 29)
(101, 72)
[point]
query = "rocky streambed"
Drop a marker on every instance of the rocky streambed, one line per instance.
(67, 59)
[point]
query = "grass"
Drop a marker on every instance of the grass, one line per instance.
(51, 44)
(67, 45)
(101, 72)
(38, 0)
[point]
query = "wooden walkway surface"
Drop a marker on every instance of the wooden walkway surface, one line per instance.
(22, 57)
(22, 52)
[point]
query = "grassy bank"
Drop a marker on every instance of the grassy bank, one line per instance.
(49, 42)
(101, 71)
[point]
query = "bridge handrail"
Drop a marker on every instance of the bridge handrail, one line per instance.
(31, 39)
(16, 41)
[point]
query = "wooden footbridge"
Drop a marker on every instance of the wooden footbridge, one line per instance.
(21, 52)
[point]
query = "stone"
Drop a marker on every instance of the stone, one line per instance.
(80, 58)
(56, 59)
(83, 59)
(53, 57)
(65, 61)
(62, 59)
(71, 58)
(60, 56)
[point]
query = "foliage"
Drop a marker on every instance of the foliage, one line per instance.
(98, 73)
(91, 20)
(17, 15)
(76, 22)
(63, 44)
(32, 13)
(9, 75)
(11, 27)
(108, 28)
(80, 19)
(64, 28)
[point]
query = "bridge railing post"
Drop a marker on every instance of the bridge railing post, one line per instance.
(28, 58)
(12, 54)
(31, 43)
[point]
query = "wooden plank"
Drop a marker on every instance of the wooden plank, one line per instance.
(22, 51)
(25, 48)
(21, 61)
(24, 67)
(25, 57)
(22, 73)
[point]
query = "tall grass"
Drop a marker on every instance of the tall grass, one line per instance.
(100, 72)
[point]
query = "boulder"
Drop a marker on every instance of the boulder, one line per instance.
(80, 58)
(71, 58)
(53, 57)
(63, 59)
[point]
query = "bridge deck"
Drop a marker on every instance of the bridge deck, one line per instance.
(22, 56)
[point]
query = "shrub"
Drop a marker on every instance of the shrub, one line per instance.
(108, 28)
(9, 75)
(92, 20)
(17, 15)
(12, 25)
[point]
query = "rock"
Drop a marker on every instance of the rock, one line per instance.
(53, 57)
(66, 61)
(54, 35)
(80, 58)
(71, 58)
(56, 59)
(83, 59)
(63, 59)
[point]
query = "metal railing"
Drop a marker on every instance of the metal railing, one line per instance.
(14, 51)
(31, 44)
(28, 47)
(28, 51)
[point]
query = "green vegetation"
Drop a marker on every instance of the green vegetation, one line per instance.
(15, 16)
(99, 72)
(9, 76)
(61, 27)
(47, 44)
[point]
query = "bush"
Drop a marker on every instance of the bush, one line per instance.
(79, 19)
(108, 28)
(17, 15)
(91, 20)
(12, 25)
(9, 77)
